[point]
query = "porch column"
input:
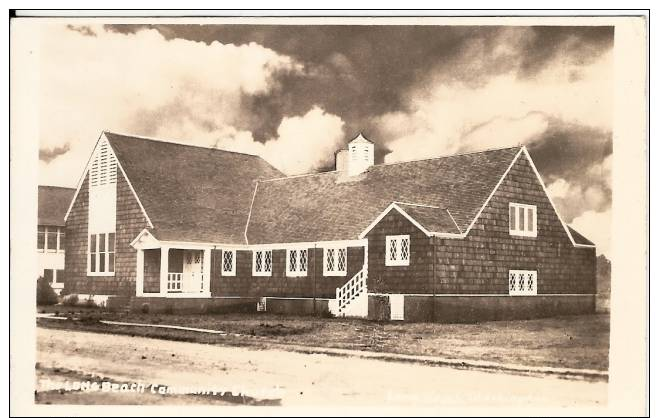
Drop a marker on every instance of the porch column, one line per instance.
(164, 269)
(206, 267)
(139, 278)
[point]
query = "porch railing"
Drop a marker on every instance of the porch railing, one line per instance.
(186, 282)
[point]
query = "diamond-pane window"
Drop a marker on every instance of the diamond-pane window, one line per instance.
(267, 264)
(297, 262)
(397, 250)
(341, 260)
(259, 261)
(262, 263)
(330, 259)
(522, 282)
(228, 262)
(336, 261)
(303, 261)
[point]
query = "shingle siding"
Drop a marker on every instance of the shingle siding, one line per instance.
(278, 284)
(130, 221)
(479, 263)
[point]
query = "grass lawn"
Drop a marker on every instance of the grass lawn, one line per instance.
(580, 342)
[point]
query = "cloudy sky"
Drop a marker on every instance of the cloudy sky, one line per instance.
(416, 91)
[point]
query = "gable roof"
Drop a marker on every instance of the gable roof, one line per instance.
(191, 193)
(329, 206)
(53, 202)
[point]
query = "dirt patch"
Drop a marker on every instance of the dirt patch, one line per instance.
(580, 342)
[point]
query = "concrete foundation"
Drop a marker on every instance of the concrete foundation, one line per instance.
(465, 309)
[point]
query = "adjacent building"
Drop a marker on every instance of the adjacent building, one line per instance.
(51, 237)
(475, 236)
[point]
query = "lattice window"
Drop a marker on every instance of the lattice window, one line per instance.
(262, 263)
(228, 262)
(522, 282)
(397, 250)
(335, 261)
(296, 262)
(522, 220)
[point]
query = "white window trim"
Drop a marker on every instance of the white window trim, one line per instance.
(525, 292)
(261, 273)
(520, 233)
(231, 272)
(387, 260)
(297, 272)
(334, 273)
(107, 258)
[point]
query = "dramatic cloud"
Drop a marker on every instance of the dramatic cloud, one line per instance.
(595, 226)
(143, 84)
(295, 93)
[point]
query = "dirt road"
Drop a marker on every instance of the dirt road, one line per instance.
(294, 378)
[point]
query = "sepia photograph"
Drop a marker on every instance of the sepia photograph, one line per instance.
(397, 214)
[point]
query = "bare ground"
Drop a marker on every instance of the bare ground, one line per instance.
(295, 378)
(580, 342)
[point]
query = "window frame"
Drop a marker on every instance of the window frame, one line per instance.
(41, 232)
(297, 272)
(106, 254)
(261, 273)
(525, 292)
(396, 263)
(231, 272)
(523, 232)
(335, 272)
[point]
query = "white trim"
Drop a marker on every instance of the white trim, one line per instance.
(232, 272)
(384, 213)
(454, 223)
(298, 272)
(84, 175)
(387, 253)
(516, 232)
(262, 273)
(335, 272)
(249, 214)
(542, 183)
(150, 237)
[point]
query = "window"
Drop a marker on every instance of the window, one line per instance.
(50, 239)
(522, 282)
(101, 254)
(262, 263)
(41, 237)
(228, 262)
(397, 250)
(335, 261)
(522, 220)
(296, 262)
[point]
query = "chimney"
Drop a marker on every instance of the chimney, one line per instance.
(361, 155)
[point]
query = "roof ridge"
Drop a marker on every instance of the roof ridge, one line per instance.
(418, 204)
(173, 142)
(460, 154)
(399, 162)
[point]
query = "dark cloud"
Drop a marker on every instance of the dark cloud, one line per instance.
(358, 72)
(48, 154)
(575, 154)
(83, 30)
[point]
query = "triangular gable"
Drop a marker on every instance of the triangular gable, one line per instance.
(103, 141)
(145, 240)
(424, 225)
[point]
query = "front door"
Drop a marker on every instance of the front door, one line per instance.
(192, 270)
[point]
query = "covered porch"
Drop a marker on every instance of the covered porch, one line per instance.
(168, 269)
